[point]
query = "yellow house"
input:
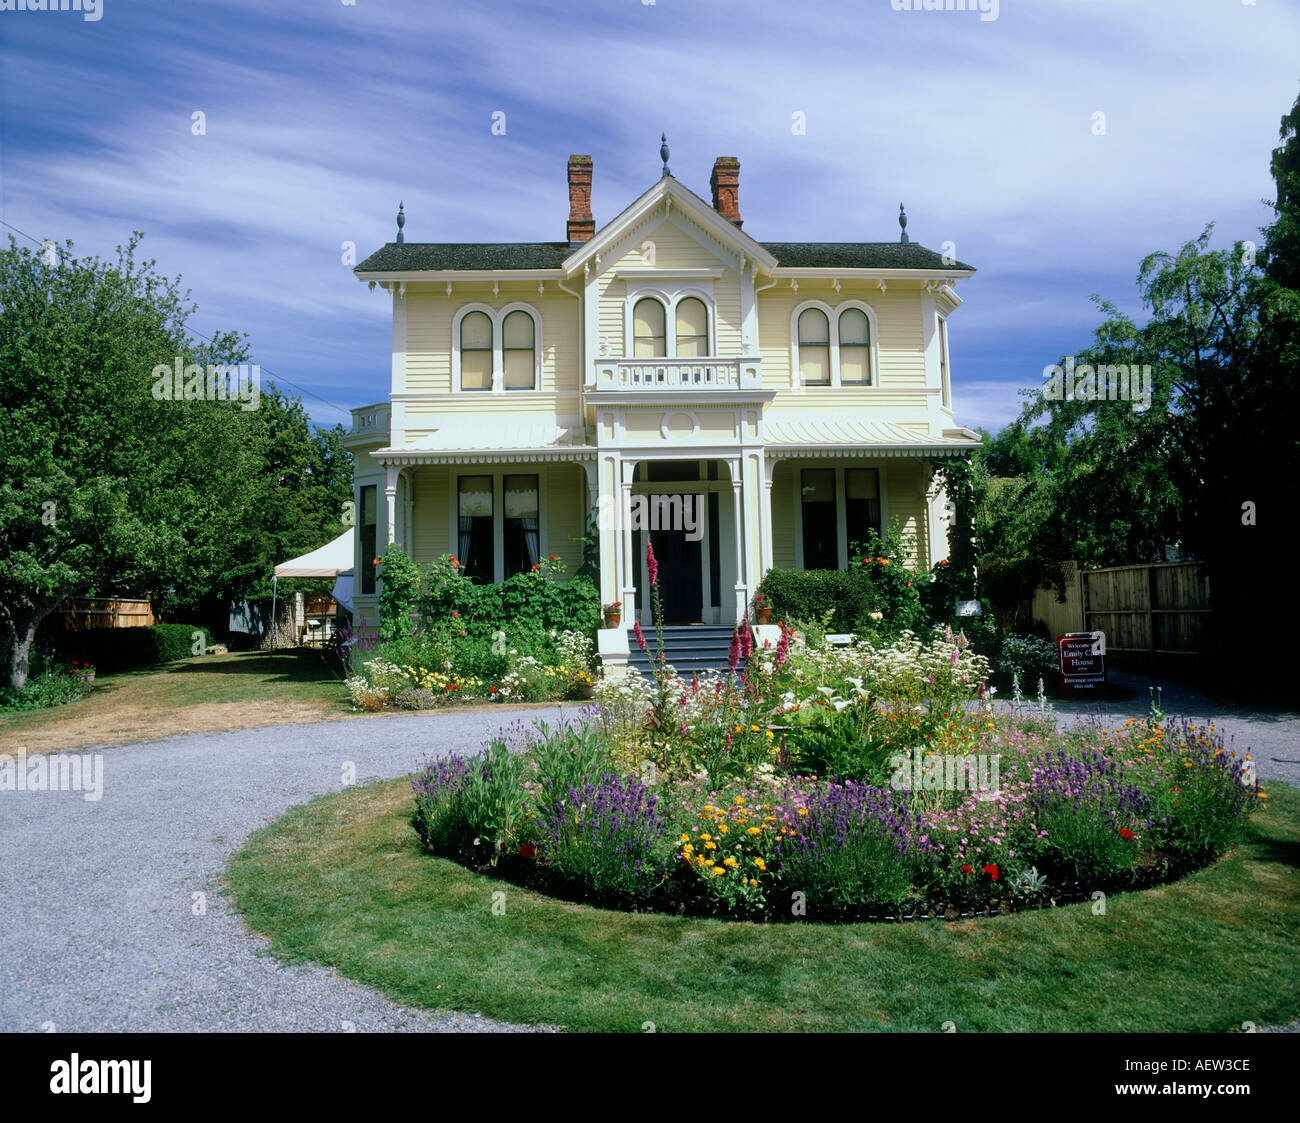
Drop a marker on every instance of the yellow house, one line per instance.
(744, 404)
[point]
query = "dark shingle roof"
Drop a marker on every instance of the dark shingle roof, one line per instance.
(393, 258)
(479, 256)
(858, 255)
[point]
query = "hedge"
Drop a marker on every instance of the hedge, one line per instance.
(112, 649)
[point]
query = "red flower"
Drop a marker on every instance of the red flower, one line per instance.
(944, 562)
(640, 636)
(462, 633)
(992, 871)
(455, 615)
(492, 689)
(652, 566)
(967, 869)
(538, 566)
(908, 584)
(1124, 832)
(528, 850)
(883, 561)
(552, 557)
(378, 561)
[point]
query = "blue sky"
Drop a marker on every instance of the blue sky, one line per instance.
(320, 115)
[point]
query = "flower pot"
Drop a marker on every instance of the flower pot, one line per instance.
(612, 619)
(584, 691)
(763, 615)
(88, 677)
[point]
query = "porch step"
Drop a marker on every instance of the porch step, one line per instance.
(688, 647)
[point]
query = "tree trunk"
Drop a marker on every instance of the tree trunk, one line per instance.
(23, 634)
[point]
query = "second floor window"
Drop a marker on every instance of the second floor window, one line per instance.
(476, 352)
(649, 330)
(814, 348)
(518, 351)
(855, 348)
(692, 328)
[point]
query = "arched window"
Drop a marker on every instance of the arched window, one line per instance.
(814, 348)
(692, 329)
(855, 348)
(649, 330)
(519, 351)
(476, 352)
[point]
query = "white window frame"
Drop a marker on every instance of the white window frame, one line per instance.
(669, 297)
(498, 474)
(841, 518)
(498, 317)
(833, 316)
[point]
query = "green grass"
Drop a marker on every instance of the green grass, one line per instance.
(343, 882)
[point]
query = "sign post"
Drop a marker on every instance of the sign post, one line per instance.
(1083, 662)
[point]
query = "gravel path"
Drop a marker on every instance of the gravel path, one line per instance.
(97, 898)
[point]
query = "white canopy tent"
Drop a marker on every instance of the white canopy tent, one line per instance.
(334, 559)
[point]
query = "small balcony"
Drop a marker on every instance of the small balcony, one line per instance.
(679, 375)
(369, 424)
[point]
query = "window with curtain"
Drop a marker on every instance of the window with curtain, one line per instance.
(474, 549)
(855, 348)
(861, 503)
(814, 348)
(369, 518)
(820, 539)
(522, 524)
(518, 348)
(649, 329)
(476, 352)
(692, 329)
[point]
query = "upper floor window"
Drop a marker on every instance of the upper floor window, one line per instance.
(476, 352)
(834, 346)
(649, 329)
(497, 349)
(692, 328)
(518, 350)
(814, 348)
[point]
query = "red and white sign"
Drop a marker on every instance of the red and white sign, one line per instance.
(1083, 662)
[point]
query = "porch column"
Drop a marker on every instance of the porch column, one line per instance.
(390, 494)
(408, 513)
(733, 466)
(765, 516)
(628, 562)
(603, 479)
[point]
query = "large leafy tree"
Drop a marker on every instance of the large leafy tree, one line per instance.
(104, 488)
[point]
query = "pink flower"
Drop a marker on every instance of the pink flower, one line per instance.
(733, 653)
(651, 564)
(746, 642)
(640, 636)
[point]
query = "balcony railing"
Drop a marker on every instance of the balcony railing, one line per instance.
(371, 420)
(676, 375)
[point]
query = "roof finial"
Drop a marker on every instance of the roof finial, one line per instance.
(902, 221)
(663, 153)
(401, 221)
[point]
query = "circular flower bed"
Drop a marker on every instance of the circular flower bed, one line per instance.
(925, 815)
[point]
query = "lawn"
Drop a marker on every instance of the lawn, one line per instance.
(210, 692)
(343, 881)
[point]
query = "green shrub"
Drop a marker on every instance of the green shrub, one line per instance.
(112, 649)
(415, 698)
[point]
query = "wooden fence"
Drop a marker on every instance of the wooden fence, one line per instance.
(82, 613)
(1148, 610)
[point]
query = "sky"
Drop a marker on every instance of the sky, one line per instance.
(319, 116)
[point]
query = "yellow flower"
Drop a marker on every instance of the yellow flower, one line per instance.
(708, 861)
(752, 881)
(685, 838)
(762, 865)
(688, 849)
(730, 862)
(710, 846)
(803, 811)
(754, 830)
(722, 828)
(718, 871)
(753, 728)
(738, 799)
(706, 837)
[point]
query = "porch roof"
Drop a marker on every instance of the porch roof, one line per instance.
(490, 440)
(810, 433)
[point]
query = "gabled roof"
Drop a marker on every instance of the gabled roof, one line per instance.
(860, 255)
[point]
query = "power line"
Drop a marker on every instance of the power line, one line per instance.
(277, 378)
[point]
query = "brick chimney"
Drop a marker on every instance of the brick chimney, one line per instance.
(581, 226)
(725, 182)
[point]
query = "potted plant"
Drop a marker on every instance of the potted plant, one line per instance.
(762, 610)
(83, 671)
(582, 686)
(613, 614)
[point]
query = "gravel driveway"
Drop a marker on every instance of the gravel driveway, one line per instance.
(97, 898)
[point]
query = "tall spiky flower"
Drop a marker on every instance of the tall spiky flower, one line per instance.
(650, 563)
(640, 636)
(733, 653)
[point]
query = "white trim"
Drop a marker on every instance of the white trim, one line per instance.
(945, 363)
(497, 316)
(833, 313)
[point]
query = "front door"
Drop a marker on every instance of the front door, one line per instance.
(681, 575)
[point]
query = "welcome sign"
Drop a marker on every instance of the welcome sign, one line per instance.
(1083, 662)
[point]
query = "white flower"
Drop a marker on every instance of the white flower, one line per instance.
(877, 615)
